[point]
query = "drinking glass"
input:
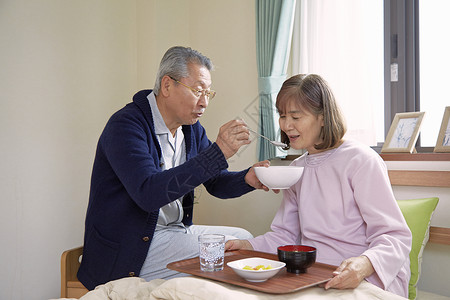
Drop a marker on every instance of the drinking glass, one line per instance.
(212, 251)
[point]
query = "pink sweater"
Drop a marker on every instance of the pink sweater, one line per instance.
(344, 206)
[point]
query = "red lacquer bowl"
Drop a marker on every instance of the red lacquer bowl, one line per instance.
(298, 258)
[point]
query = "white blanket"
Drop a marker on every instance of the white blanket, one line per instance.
(184, 288)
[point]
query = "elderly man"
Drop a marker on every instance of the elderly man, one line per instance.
(150, 157)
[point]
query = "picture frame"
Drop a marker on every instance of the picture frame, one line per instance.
(443, 140)
(403, 133)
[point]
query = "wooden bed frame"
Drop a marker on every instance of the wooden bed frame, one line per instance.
(70, 259)
(70, 262)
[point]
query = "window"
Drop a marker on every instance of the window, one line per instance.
(434, 49)
(416, 43)
(343, 42)
(371, 54)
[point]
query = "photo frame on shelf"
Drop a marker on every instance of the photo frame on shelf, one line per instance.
(403, 133)
(443, 140)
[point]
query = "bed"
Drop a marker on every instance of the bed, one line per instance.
(198, 288)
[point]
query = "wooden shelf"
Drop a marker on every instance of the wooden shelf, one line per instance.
(420, 178)
(439, 235)
(415, 156)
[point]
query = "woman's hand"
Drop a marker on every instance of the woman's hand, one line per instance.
(238, 244)
(350, 273)
(252, 180)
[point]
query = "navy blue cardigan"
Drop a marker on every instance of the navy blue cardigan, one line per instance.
(128, 187)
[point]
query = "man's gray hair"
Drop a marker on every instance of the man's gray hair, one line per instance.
(175, 64)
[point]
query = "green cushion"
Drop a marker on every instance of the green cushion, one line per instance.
(417, 213)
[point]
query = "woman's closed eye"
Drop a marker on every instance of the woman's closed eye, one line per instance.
(295, 116)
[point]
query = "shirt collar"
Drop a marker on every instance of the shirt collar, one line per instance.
(160, 125)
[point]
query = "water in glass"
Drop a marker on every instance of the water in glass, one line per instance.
(212, 248)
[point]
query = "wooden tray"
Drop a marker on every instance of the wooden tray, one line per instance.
(283, 282)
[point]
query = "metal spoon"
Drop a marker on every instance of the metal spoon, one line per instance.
(275, 143)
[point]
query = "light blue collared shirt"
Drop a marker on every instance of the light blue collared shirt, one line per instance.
(173, 154)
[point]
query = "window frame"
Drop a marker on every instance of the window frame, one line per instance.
(401, 47)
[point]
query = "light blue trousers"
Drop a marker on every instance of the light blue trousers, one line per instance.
(176, 243)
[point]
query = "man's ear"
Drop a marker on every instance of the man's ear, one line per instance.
(166, 86)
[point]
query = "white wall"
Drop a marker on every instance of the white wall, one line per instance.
(65, 66)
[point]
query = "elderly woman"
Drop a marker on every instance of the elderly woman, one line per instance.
(343, 205)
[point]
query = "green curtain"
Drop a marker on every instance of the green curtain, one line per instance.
(274, 23)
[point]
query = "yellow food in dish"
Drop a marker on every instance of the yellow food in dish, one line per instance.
(257, 268)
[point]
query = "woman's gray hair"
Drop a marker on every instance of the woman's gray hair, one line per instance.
(175, 64)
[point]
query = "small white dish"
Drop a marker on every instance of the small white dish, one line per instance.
(256, 275)
(279, 177)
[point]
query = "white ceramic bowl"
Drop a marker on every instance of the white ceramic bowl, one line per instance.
(256, 275)
(279, 177)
